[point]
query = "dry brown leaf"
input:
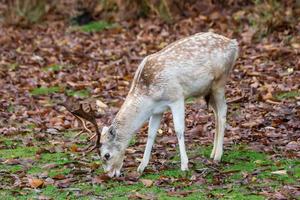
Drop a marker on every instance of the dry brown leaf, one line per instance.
(101, 179)
(140, 196)
(293, 146)
(12, 161)
(267, 96)
(74, 148)
(59, 177)
(35, 183)
(147, 182)
(249, 124)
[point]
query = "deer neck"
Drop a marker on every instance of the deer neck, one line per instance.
(134, 112)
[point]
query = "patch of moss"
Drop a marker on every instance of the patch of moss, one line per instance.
(11, 108)
(58, 158)
(64, 171)
(72, 134)
(190, 100)
(287, 95)
(52, 191)
(78, 93)
(7, 194)
(53, 68)
(176, 173)
(132, 141)
(10, 168)
(234, 193)
(35, 170)
(13, 66)
(45, 90)
(20, 152)
(97, 26)
(151, 176)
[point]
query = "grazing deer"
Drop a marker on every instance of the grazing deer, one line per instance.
(194, 66)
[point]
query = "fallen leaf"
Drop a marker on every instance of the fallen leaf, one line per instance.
(293, 146)
(267, 96)
(43, 197)
(64, 183)
(59, 177)
(168, 140)
(49, 166)
(74, 148)
(198, 130)
(181, 193)
(100, 104)
(94, 165)
(147, 182)
(280, 172)
(12, 161)
(140, 196)
(35, 183)
(101, 179)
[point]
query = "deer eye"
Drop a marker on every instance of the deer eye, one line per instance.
(112, 132)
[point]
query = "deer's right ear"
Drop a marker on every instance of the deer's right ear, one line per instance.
(104, 130)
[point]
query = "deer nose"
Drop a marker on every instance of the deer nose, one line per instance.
(106, 156)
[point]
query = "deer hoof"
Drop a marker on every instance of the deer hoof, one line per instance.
(184, 167)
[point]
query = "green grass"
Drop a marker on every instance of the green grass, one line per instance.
(55, 193)
(238, 164)
(96, 26)
(190, 100)
(78, 93)
(20, 152)
(53, 68)
(56, 89)
(9, 142)
(12, 66)
(132, 141)
(49, 191)
(10, 168)
(235, 193)
(45, 90)
(63, 171)
(287, 95)
(58, 158)
(10, 108)
(81, 138)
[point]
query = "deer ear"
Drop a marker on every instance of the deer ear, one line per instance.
(104, 130)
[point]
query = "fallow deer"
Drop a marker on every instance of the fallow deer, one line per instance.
(194, 66)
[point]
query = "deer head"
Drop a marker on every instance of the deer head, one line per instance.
(106, 145)
(112, 151)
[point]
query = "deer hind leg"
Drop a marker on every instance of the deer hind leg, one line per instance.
(214, 108)
(152, 132)
(218, 103)
(177, 109)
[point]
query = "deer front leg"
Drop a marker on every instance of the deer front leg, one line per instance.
(177, 109)
(152, 132)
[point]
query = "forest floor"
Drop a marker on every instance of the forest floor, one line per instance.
(40, 157)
